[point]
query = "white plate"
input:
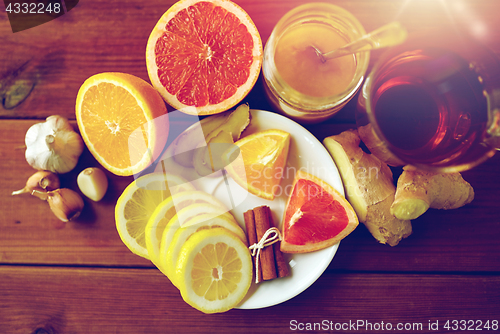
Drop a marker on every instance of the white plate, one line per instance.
(305, 153)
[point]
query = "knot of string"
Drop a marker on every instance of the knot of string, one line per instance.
(271, 236)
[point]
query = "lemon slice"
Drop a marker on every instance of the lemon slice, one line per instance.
(214, 270)
(175, 223)
(197, 223)
(165, 211)
(138, 201)
(196, 209)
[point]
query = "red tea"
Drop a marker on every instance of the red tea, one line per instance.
(430, 107)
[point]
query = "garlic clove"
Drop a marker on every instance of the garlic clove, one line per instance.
(65, 203)
(43, 195)
(93, 183)
(49, 182)
(42, 180)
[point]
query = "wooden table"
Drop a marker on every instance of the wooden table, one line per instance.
(80, 278)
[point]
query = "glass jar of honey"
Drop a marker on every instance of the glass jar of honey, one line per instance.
(297, 82)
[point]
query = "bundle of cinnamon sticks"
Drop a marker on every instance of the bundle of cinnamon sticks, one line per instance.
(271, 262)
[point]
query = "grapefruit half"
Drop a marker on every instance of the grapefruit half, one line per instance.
(204, 57)
(316, 216)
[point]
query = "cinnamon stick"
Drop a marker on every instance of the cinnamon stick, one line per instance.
(252, 238)
(280, 262)
(262, 224)
(272, 265)
(281, 265)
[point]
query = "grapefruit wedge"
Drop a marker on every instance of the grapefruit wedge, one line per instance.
(316, 216)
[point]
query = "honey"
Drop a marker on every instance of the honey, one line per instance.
(297, 83)
(303, 70)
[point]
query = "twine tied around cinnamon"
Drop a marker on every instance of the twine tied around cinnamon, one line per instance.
(271, 236)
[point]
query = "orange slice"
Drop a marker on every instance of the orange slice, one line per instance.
(257, 162)
(204, 57)
(316, 216)
(122, 120)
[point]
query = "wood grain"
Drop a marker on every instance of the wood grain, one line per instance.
(465, 239)
(87, 300)
(80, 278)
(103, 37)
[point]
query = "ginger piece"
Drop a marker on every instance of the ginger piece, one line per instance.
(228, 132)
(369, 187)
(366, 179)
(377, 147)
(384, 226)
(418, 191)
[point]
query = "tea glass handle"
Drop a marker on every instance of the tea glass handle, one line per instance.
(492, 137)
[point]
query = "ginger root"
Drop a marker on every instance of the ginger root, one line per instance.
(418, 191)
(369, 187)
(377, 147)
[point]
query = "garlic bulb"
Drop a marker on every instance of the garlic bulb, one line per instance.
(53, 145)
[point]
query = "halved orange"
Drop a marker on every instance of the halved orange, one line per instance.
(257, 162)
(123, 121)
(316, 216)
(204, 57)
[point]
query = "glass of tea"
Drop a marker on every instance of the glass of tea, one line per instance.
(432, 102)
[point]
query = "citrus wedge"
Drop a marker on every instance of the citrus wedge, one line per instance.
(197, 223)
(165, 211)
(204, 57)
(138, 201)
(260, 163)
(123, 121)
(214, 269)
(316, 216)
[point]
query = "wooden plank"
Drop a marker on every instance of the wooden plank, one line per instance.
(91, 38)
(99, 37)
(32, 234)
(465, 239)
(85, 300)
